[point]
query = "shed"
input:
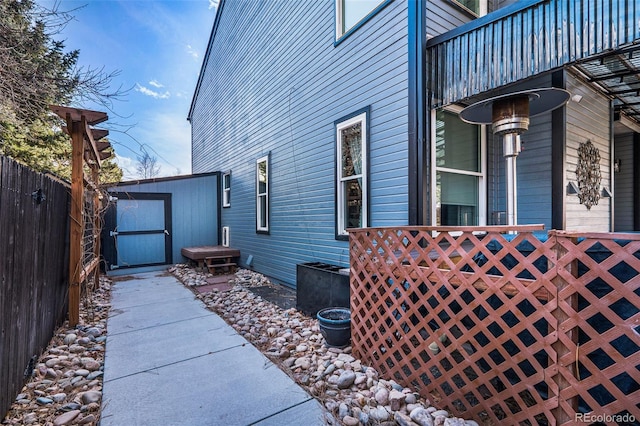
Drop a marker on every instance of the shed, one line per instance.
(148, 221)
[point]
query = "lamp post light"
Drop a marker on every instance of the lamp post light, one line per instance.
(509, 117)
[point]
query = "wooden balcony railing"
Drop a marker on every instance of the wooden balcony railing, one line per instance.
(522, 328)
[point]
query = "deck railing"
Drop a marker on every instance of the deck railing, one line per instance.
(517, 328)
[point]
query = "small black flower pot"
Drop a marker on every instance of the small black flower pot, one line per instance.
(335, 326)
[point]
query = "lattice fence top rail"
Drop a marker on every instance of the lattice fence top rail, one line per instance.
(527, 327)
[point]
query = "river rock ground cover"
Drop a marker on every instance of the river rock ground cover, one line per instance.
(65, 384)
(352, 393)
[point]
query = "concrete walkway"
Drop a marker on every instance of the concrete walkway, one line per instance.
(170, 361)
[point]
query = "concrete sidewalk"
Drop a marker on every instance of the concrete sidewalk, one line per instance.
(170, 361)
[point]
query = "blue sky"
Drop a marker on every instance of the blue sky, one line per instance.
(158, 46)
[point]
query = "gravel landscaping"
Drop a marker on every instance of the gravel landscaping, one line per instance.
(352, 392)
(65, 384)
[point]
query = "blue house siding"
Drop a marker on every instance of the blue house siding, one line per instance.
(534, 173)
(194, 207)
(444, 15)
(274, 83)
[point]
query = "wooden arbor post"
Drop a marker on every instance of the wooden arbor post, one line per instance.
(83, 261)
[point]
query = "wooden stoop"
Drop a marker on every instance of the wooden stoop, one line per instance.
(217, 263)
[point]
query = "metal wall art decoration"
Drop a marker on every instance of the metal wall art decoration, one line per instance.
(588, 174)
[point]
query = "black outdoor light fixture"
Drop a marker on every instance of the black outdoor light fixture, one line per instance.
(509, 117)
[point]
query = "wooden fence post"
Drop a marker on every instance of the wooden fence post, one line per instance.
(561, 350)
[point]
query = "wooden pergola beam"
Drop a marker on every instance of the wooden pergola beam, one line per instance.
(85, 147)
(99, 134)
(91, 117)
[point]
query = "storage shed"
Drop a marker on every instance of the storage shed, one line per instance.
(148, 221)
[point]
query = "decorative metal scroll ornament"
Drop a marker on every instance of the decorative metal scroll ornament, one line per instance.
(588, 173)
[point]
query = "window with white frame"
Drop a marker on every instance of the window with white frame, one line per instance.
(458, 175)
(262, 194)
(475, 7)
(226, 189)
(350, 13)
(351, 173)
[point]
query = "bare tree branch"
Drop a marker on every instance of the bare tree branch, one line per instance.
(147, 166)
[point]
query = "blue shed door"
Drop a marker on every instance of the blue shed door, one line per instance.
(138, 230)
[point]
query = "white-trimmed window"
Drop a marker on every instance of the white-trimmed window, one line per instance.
(226, 189)
(458, 171)
(475, 7)
(262, 194)
(351, 173)
(351, 13)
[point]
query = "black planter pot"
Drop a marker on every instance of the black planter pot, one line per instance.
(321, 285)
(335, 326)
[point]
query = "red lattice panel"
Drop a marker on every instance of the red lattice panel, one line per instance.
(599, 324)
(485, 323)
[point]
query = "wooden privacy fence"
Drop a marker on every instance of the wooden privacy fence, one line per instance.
(34, 230)
(522, 328)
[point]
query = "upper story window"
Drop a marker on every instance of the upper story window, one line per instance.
(351, 173)
(352, 13)
(226, 189)
(262, 194)
(475, 7)
(458, 171)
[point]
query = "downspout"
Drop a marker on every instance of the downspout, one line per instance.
(558, 158)
(417, 114)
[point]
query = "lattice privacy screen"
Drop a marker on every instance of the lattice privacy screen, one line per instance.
(509, 328)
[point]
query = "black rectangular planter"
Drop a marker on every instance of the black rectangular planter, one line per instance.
(321, 285)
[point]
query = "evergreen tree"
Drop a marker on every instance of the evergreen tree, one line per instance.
(35, 72)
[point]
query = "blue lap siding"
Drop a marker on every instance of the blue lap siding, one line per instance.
(274, 82)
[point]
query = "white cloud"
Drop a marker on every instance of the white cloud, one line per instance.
(155, 83)
(148, 92)
(191, 51)
(128, 166)
(172, 146)
(213, 4)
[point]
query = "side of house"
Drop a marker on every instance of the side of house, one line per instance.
(307, 125)
(316, 115)
(322, 118)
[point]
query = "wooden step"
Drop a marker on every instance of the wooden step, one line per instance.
(210, 260)
(213, 266)
(218, 257)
